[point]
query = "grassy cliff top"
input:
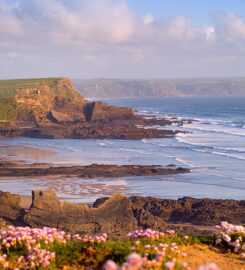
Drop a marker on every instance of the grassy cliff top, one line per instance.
(25, 83)
(33, 96)
(17, 88)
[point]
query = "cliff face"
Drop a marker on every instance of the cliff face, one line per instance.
(52, 101)
(52, 108)
(33, 104)
(160, 88)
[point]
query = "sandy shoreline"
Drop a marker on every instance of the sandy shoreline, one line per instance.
(23, 154)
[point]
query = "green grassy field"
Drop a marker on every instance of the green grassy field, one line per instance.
(7, 109)
(14, 88)
(24, 83)
(9, 88)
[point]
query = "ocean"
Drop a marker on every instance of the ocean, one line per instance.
(214, 149)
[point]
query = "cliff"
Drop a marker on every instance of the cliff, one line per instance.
(160, 88)
(52, 108)
(46, 101)
(28, 101)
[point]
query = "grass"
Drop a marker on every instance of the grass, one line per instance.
(24, 83)
(7, 109)
(87, 255)
(25, 90)
(11, 88)
(84, 253)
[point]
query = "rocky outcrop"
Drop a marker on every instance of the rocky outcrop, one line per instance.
(119, 214)
(98, 111)
(10, 210)
(114, 216)
(194, 211)
(51, 108)
(91, 171)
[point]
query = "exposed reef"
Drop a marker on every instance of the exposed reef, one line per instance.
(8, 168)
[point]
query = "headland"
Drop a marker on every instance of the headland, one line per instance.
(52, 108)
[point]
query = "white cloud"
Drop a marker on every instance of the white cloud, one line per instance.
(210, 33)
(108, 38)
(147, 18)
(94, 20)
(230, 27)
(9, 23)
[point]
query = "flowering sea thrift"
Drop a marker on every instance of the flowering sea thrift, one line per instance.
(37, 242)
(149, 250)
(149, 234)
(232, 236)
(209, 266)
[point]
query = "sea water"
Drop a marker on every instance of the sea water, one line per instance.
(213, 148)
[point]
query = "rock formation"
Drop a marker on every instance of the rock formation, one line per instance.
(14, 169)
(51, 108)
(119, 214)
(114, 216)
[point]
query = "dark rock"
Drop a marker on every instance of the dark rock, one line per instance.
(91, 171)
(119, 215)
(98, 111)
(114, 216)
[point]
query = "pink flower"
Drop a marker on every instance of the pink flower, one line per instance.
(6, 265)
(135, 260)
(169, 265)
(109, 265)
(226, 238)
(184, 264)
(209, 266)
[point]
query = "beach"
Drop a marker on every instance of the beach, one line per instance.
(213, 150)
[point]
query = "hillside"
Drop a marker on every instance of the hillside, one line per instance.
(52, 108)
(31, 100)
(141, 88)
(44, 86)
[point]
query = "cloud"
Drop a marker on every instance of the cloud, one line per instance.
(10, 25)
(108, 38)
(230, 27)
(94, 20)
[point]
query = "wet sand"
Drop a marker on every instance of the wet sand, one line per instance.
(72, 189)
(24, 154)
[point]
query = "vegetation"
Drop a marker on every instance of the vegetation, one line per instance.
(7, 109)
(47, 248)
(24, 83)
(31, 87)
(24, 99)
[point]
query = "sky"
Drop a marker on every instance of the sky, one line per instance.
(135, 39)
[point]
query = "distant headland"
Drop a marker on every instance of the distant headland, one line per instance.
(160, 88)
